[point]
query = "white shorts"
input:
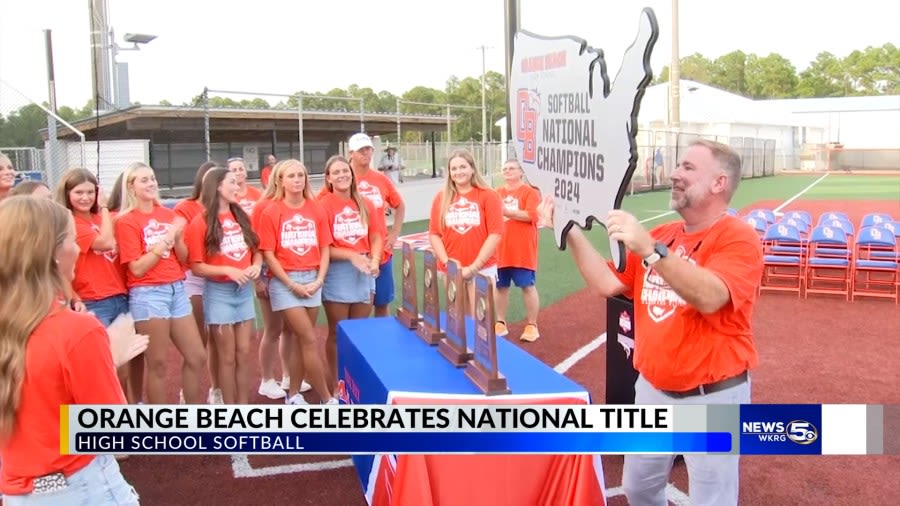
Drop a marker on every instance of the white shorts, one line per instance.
(193, 285)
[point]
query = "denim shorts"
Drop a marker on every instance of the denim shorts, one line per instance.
(344, 283)
(226, 302)
(384, 283)
(521, 277)
(108, 309)
(193, 285)
(282, 298)
(167, 301)
(99, 483)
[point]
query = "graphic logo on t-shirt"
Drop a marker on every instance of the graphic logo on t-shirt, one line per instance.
(233, 245)
(298, 234)
(371, 192)
(110, 255)
(510, 203)
(154, 233)
(658, 296)
(463, 215)
(348, 227)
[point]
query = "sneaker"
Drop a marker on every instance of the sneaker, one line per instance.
(530, 333)
(332, 401)
(285, 382)
(215, 396)
(269, 388)
(500, 329)
(296, 400)
(305, 387)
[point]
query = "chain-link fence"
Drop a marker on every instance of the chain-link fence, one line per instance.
(32, 136)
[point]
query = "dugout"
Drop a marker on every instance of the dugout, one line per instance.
(173, 139)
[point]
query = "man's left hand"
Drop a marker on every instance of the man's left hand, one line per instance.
(622, 226)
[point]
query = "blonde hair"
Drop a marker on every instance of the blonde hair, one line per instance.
(33, 231)
(354, 192)
(274, 177)
(129, 201)
(279, 185)
(450, 192)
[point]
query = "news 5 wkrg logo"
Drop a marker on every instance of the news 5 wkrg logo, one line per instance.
(781, 429)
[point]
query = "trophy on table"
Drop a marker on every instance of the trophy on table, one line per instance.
(482, 368)
(454, 346)
(429, 328)
(408, 312)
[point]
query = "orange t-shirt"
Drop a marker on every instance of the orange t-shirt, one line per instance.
(470, 219)
(297, 236)
(265, 174)
(347, 230)
(519, 242)
(677, 347)
(67, 361)
(248, 201)
(136, 233)
(381, 192)
(188, 208)
(258, 211)
(98, 274)
(233, 249)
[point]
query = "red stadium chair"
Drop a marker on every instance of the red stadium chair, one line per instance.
(783, 259)
(828, 267)
(874, 276)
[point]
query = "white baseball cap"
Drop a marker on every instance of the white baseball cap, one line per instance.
(359, 141)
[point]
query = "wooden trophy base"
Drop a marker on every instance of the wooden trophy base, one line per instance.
(408, 319)
(453, 354)
(429, 335)
(484, 382)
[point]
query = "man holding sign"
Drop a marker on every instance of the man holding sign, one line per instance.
(694, 284)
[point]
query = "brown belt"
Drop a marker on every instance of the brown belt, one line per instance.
(710, 387)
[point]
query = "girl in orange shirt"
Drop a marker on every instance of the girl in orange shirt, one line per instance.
(518, 249)
(248, 195)
(466, 221)
(355, 254)
(188, 209)
(223, 249)
(51, 356)
(276, 336)
(151, 245)
(295, 240)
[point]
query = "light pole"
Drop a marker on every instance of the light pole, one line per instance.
(120, 70)
(675, 74)
(484, 157)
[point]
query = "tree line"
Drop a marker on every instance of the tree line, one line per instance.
(872, 71)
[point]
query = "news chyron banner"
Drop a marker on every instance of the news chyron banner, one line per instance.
(480, 429)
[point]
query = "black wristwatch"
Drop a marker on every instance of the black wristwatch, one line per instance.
(660, 251)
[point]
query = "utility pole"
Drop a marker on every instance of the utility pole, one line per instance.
(675, 74)
(484, 162)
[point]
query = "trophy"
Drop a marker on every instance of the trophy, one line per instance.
(482, 368)
(408, 312)
(429, 328)
(454, 346)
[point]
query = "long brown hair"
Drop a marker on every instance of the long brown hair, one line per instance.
(198, 179)
(32, 232)
(209, 197)
(72, 178)
(358, 199)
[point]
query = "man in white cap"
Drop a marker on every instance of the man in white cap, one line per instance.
(379, 189)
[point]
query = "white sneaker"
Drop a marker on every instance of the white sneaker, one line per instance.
(297, 400)
(215, 396)
(305, 387)
(270, 389)
(285, 382)
(332, 401)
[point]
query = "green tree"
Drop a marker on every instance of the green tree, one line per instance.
(695, 67)
(770, 77)
(823, 78)
(729, 72)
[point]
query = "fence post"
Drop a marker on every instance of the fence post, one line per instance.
(204, 97)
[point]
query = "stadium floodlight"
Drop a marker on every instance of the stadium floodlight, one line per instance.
(139, 38)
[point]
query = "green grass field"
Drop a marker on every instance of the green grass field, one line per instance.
(558, 277)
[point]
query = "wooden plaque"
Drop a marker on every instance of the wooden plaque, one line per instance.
(482, 369)
(429, 328)
(454, 346)
(408, 312)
